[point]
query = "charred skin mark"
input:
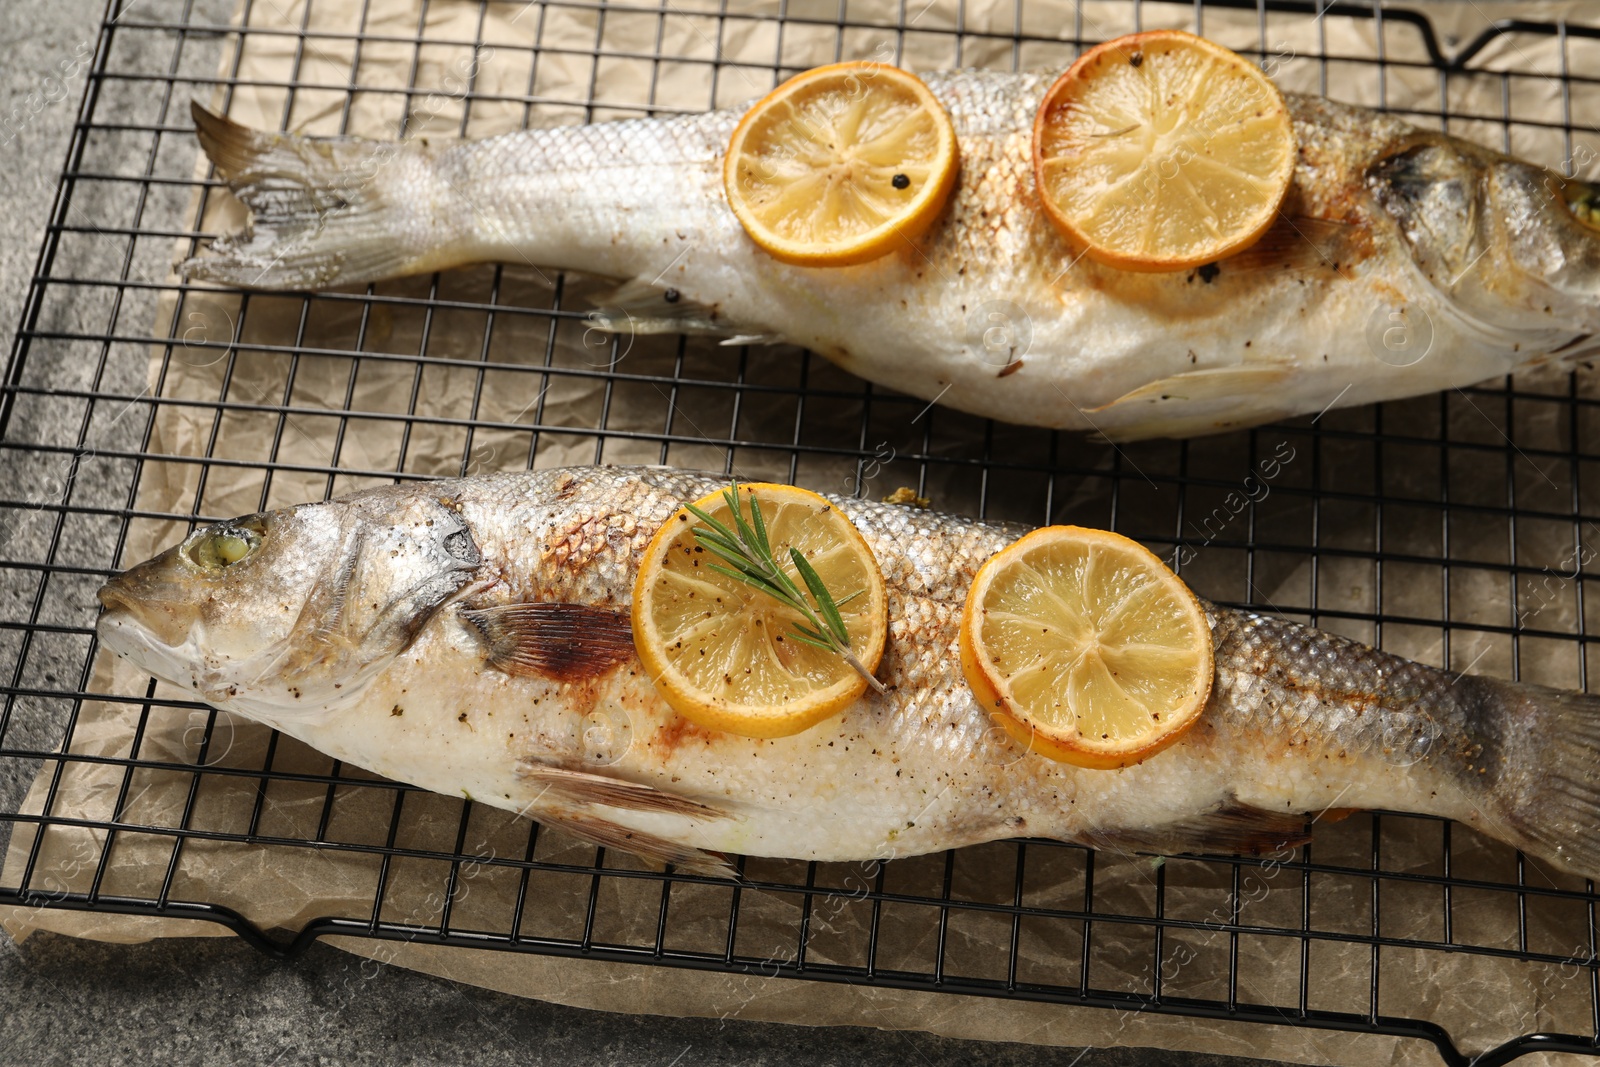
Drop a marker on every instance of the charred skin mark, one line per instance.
(1359, 702)
(566, 488)
(677, 730)
(588, 537)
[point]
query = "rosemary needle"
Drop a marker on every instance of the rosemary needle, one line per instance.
(748, 557)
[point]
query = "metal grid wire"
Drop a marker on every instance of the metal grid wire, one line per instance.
(1396, 526)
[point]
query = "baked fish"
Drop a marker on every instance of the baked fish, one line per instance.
(1405, 262)
(472, 637)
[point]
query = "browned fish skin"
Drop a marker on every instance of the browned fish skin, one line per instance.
(1299, 721)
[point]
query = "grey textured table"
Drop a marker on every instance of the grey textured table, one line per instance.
(221, 1002)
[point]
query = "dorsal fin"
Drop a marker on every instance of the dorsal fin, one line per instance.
(564, 642)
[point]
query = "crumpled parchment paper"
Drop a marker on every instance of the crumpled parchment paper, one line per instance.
(231, 347)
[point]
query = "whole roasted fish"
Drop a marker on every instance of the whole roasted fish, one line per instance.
(1405, 262)
(472, 637)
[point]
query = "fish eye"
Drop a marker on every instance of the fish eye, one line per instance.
(223, 546)
(1583, 200)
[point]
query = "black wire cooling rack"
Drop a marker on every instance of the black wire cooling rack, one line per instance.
(1450, 527)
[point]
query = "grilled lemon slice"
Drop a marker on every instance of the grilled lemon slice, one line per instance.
(841, 164)
(1162, 151)
(723, 653)
(1085, 647)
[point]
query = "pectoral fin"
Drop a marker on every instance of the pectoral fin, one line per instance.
(641, 307)
(1298, 243)
(1199, 402)
(563, 642)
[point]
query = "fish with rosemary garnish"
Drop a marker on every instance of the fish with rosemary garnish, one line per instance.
(1405, 261)
(472, 637)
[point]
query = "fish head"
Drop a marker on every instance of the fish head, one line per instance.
(286, 615)
(1512, 245)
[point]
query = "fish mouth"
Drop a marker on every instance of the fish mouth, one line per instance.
(149, 631)
(149, 595)
(124, 628)
(124, 633)
(113, 598)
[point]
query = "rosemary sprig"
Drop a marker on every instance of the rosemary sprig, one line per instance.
(747, 551)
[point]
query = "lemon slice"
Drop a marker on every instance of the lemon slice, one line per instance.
(1085, 647)
(1162, 151)
(723, 653)
(841, 164)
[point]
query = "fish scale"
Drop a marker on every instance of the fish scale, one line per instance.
(1298, 721)
(1404, 262)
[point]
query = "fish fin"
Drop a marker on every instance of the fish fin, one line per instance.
(1296, 243)
(320, 209)
(644, 845)
(1546, 777)
(1198, 402)
(581, 787)
(564, 642)
(1582, 347)
(642, 307)
(1231, 828)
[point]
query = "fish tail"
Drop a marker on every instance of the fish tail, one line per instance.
(323, 212)
(1544, 772)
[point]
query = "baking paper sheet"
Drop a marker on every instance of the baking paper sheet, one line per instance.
(1481, 1000)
